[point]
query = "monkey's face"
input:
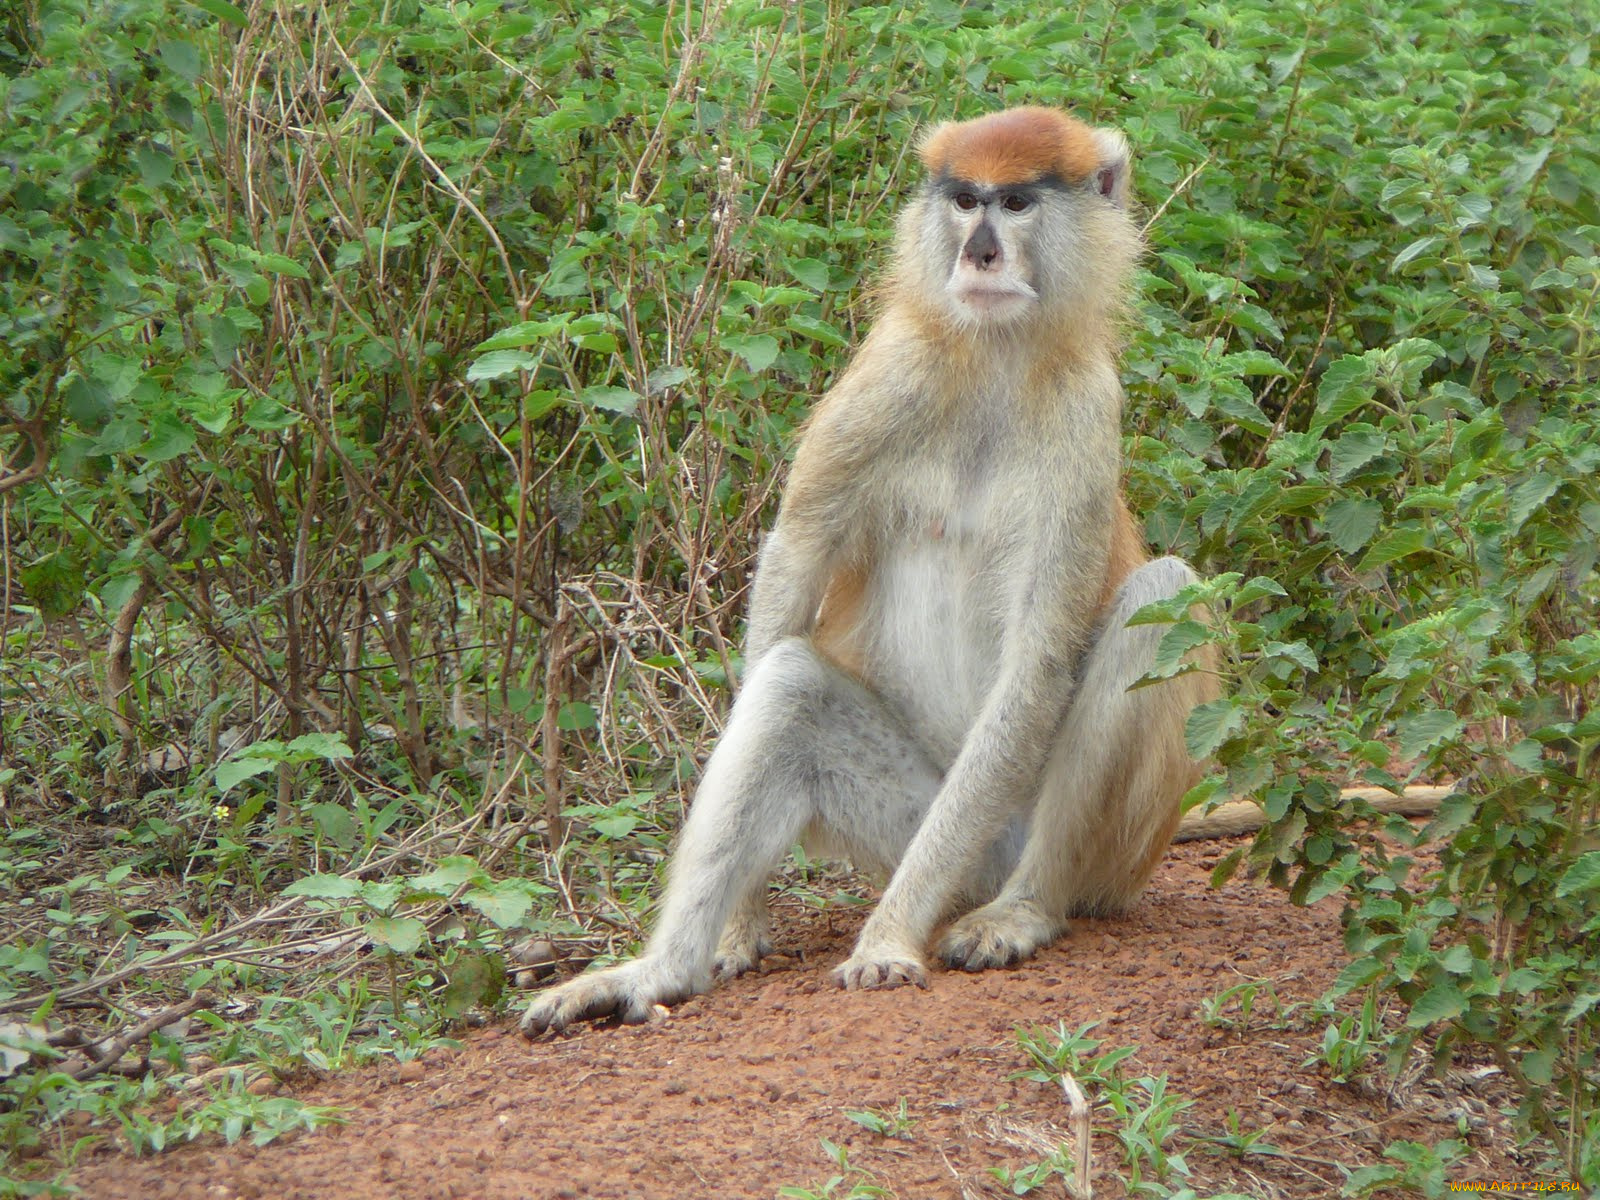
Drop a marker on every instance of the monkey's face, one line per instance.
(995, 255)
(991, 231)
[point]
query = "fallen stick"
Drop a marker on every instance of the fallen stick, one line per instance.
(1078, 1107)
(1242, 816)
(119, 1044)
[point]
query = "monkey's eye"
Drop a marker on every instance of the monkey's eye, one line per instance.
(966, 201)
(1018, 204)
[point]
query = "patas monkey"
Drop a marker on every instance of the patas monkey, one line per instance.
(938, 660)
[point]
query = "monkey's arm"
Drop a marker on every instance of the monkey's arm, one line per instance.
(791, 577)
(822, 521)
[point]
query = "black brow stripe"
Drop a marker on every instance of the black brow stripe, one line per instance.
(950, 186)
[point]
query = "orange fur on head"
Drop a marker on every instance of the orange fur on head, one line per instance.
(1019, 145)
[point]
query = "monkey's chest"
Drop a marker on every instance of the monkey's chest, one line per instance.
(936, 609)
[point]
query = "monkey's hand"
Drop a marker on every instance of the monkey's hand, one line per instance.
(885, 967)
(997, 935)
(630, 992)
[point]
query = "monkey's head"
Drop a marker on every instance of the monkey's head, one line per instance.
(1023, 214)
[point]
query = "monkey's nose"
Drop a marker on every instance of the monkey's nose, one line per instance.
(982, 249)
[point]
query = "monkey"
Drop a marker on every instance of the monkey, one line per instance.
(938, 661)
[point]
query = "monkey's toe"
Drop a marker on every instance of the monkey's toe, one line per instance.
(741, 950)
(979, 953)
(734, 961)
(872, 972)
(629, 992)
(566, 1005)
(997, 935)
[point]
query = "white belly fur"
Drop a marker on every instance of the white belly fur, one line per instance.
(933, 625)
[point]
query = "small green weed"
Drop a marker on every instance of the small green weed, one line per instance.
(1351, 1043)
(1146, 1126)
(890, 1123)
(1413, 1168)
(850, 1183)
(1233, 1008)
(1023, 1180)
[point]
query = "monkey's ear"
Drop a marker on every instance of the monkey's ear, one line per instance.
(1112, 174)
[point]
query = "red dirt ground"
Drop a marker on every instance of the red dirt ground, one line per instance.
(730, 1095)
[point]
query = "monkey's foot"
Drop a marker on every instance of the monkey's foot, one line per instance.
(869, 969)
(738, 952)
(998, 934)
(630, 992)
(743, 943)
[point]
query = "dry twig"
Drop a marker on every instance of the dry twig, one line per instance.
(118, 1046)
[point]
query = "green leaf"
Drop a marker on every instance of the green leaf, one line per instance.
(324, 887)
(223, 11)
(1441, 1002)
(1210, 724)
(1351, 523)
(1582, 1004)
(384, 894)
(326, 746)
(1418, 248)
(1297, 652)
(575, 714)
(1457, 960)
(1176, 642)
(664, 377)
(616, 825)
(183, 59)
(1357, 446)
(169, 438)
(612, 399)
(505, 903)
(334, 823)
(813, 328)
(811, 272)
(1227, 866)
(1338, 50)
(279, 264)
(526, 333)
(403, 935)
(1426, 730)
(56, 583)
(1357, 974)
(1396, 544)
(449, 874)
(155, 166)
(758, 350)
(1253, 362)
(474, 979)
(1529, 496)
(1345, 386)
(234, 771)
(1258, 587)
(1581, 876)
(499, 363)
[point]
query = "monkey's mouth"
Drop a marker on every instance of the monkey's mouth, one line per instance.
(993, 299)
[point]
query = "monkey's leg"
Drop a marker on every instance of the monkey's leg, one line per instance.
(807, 749)
(1110, 796)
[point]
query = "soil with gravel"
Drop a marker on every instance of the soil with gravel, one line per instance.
(732, 1095)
